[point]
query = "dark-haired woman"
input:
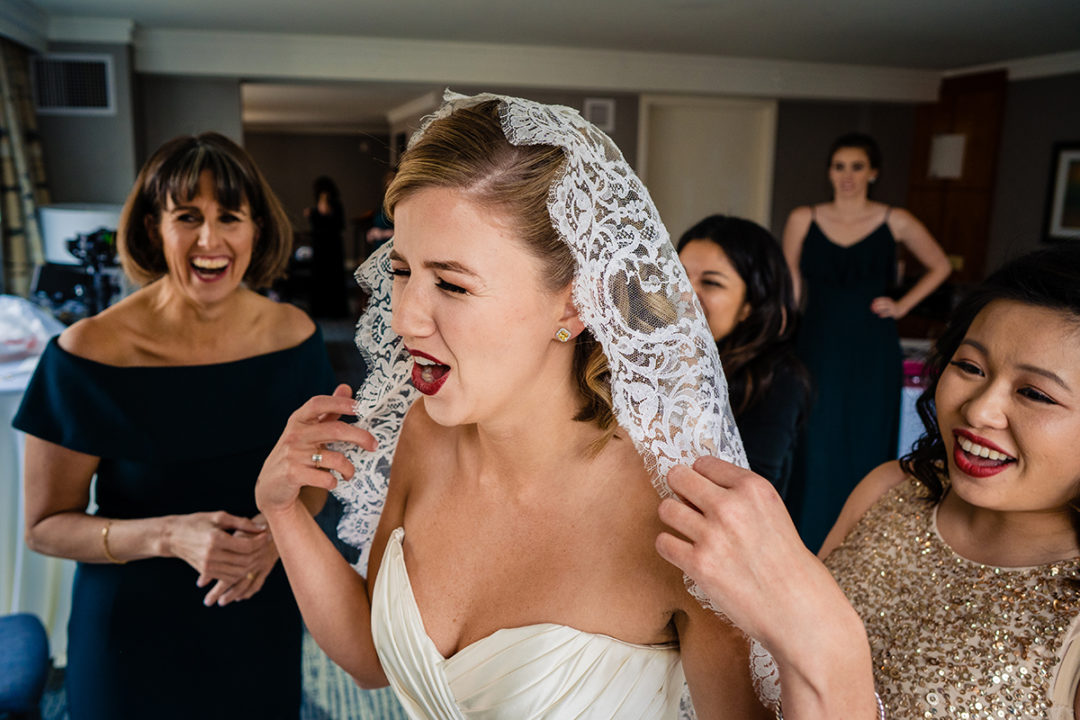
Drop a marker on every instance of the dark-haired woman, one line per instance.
(742, 281)
(173, 397)
(842, 256)
(962, 559)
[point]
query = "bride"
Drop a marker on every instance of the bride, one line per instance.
(544, 368)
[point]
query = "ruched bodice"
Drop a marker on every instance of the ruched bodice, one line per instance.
(530, 672)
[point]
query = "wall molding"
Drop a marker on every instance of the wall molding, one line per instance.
(321, 57)
(91, 30)
(1065, 63)
(426, 103)
(24, 23)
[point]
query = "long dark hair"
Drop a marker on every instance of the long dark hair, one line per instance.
(1048, 278)
(762, 343)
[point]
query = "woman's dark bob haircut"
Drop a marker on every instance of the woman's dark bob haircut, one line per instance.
(173, 173)
(1048, 278)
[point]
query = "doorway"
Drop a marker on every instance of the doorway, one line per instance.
(704, 155)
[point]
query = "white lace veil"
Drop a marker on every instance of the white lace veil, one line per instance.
(668, 390)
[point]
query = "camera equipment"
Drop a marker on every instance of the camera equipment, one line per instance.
(96, 251)
(75, 291)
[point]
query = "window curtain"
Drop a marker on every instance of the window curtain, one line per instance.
(22, 173)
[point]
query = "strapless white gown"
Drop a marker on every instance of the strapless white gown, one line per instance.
(525, 673)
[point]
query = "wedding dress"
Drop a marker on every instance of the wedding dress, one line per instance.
(522, 673)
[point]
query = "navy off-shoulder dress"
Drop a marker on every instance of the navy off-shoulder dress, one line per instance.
(175, 440)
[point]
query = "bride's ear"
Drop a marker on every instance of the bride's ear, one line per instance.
(569, 320)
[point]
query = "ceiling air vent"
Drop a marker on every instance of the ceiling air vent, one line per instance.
(70, 84)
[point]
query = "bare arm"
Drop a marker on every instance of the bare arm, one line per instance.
(738, 543)
(57, 489)
(798, 224)
(715, 657)
(332, 597)
(913, 234)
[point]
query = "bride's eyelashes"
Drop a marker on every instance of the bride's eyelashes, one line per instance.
(403, 272)
(450, 287)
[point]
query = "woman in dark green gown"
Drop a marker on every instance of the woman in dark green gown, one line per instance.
(173, 398)
(842, 255)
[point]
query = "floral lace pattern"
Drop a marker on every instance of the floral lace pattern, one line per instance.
(765, 675)
(381, 403)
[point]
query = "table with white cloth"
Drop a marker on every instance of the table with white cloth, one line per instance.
(29, 582)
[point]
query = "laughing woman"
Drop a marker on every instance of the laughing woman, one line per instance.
(173, 397)
(977, 526)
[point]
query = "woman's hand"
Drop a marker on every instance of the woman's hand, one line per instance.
(886, 307)
(260, 562)
(739, 545)
(292, 464)
(218, 545)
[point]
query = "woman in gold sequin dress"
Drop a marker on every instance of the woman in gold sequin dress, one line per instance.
(962, 558)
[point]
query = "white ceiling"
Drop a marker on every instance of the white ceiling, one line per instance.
(933, 34)
(937, 35)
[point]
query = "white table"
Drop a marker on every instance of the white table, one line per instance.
(29, 582)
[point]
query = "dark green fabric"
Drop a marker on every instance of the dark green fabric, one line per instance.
(854, 361)
(175, 440)
(769, 428)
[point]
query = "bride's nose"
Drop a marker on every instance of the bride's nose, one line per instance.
(410, 309)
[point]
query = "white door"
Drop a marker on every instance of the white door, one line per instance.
(704, 155)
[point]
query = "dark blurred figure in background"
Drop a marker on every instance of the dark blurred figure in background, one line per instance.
(381, 228)
(327, 219)
(742, 281)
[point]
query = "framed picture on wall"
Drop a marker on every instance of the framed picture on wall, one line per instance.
(1063, 205)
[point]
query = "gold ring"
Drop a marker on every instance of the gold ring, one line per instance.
(251, 575)
(316, 458)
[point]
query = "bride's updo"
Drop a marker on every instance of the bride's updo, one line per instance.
(468, 151)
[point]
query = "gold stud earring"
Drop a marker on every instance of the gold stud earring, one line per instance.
(563, 335)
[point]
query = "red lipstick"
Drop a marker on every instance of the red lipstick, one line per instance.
(974, 465)
(428, 377)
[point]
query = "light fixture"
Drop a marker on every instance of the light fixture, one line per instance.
(947, 156)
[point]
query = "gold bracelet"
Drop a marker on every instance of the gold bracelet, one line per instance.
(105, 545)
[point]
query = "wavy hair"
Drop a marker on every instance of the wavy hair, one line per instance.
(760, 345)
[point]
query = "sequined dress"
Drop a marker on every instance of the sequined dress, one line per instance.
(952, 638)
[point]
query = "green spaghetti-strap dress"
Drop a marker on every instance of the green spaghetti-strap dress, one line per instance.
(855, 366)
